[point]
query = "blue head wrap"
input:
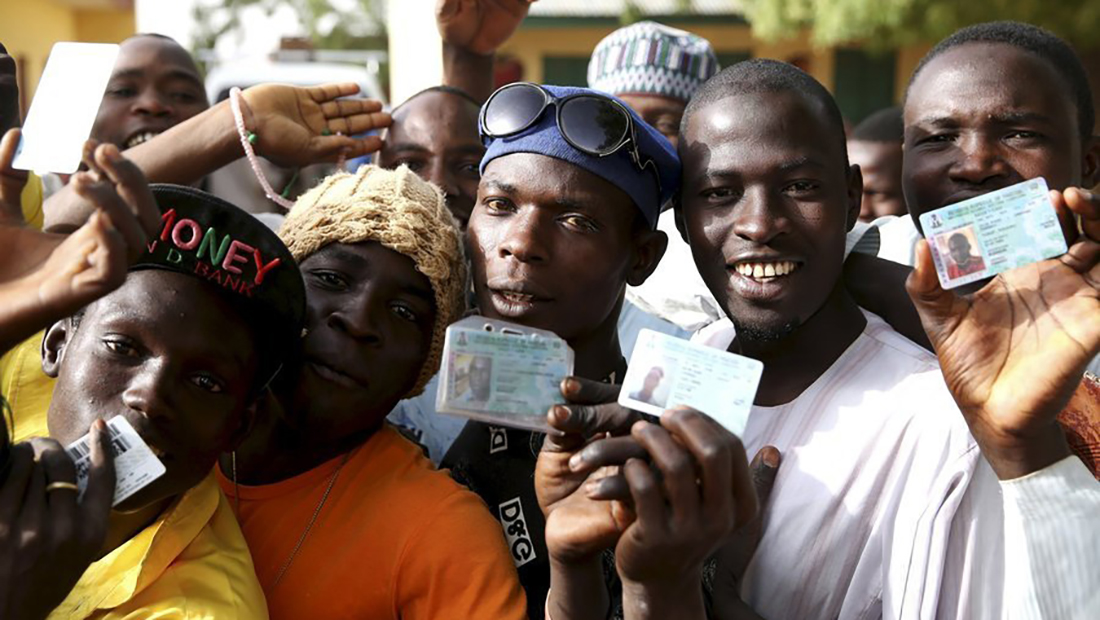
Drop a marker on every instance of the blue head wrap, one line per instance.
(543, 138)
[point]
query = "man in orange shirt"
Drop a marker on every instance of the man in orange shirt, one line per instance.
(345, 517)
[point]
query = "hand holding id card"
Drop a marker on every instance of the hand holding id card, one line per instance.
(135, 464)
(501, 373)
(992, 233)
(666, 371)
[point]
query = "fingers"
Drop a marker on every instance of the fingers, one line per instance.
(104, 196)
(12, 181)
(359, 123)
(1087, 205)
(34, 504)
(350, 107)
(678, 473)
(587, 392)
(59, 467)
(714, 449)
(14, 486)
(107, 260)
(763, 469)
(607, 452)
(649, 503)
(95, 507)
(132, 186)
(328, 92)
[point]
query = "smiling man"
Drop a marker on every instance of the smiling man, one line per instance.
(155, 85)
(888, 497)
(181, 353)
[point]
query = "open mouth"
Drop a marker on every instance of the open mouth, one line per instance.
(766, 271)
(140, 138)
(517, 298)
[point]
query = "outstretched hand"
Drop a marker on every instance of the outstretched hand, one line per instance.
(1013, 353)
(47, 277)
(479, 26)
(298, 126)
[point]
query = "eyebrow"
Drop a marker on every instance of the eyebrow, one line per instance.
(800, 162)
(359, 261)
(173, 74)
(1006, 118)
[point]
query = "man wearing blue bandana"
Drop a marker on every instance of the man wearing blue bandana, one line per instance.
(571, 186)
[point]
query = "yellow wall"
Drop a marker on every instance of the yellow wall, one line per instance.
(530, 45)
(29, 28)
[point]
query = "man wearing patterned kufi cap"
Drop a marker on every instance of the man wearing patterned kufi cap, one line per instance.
(654, 69)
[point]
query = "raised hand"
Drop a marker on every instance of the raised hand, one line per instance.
(49, 537)
(300, 126)
(696, 494)
(1013, 352)
(479, 26)
(12, 181)
(46, 277)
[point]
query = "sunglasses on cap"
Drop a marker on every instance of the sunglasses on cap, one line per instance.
(589, 122)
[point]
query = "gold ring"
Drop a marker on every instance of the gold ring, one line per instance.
(55, 486)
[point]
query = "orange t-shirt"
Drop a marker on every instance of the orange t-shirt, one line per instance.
(395, 539)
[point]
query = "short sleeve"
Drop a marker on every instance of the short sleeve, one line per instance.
(458, 566)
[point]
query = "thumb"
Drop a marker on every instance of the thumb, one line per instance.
(935, 306)
(12, 181)
(764, 467)
(95, 506)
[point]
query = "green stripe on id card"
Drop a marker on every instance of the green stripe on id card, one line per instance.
(992, 233)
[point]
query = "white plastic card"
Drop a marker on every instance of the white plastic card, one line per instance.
(65, 106)
(666, 371)
(502, 373)
(135, 464)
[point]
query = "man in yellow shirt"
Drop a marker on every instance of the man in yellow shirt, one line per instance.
(181, 350)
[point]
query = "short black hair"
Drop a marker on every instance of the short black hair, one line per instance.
(442, 88)
(1036, 41)
(886, 125)
(762, 75)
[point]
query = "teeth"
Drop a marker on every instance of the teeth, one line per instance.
(140, 139)
(517, 297)
(765, 270)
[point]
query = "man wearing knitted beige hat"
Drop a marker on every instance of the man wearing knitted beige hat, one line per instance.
(345, 517)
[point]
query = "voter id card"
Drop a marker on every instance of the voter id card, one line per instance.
(135, 464)
(65, 107)
(502, 373)
(666, 371)
(992, 233)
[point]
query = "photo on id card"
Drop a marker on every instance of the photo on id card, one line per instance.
(989, 234)
(501, 373)
(665, 371)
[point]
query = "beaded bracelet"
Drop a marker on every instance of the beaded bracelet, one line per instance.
(249, 138)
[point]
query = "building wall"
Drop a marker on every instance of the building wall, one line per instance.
(28, 29)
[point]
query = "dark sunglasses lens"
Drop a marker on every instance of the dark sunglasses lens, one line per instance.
(513, 108)
(594, 124)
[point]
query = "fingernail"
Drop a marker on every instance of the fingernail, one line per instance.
(592, 487)
(560, 413)
(575, 461)
(99, 424)
(771, 459)
(570, 386)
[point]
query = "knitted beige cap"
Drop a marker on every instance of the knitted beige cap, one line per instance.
(402, 212)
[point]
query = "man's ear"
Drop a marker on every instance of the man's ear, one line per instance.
(855, 195)
(54, 344)
(649, 247)
(1090, 169)
(678, 217)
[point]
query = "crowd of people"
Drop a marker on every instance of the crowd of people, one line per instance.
(912, 452)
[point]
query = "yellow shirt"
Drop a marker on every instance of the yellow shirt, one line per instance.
(27, 389)
(192, 563)
(31, 199)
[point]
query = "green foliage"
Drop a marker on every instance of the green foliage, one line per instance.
(328, 27)
(889, 23)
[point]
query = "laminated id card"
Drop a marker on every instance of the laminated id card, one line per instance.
(666, 371)
(502, 373)
(135, 464)
(65, 107)
(992, 233)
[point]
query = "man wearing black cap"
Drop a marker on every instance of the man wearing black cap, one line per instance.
(181, 350)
